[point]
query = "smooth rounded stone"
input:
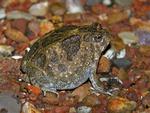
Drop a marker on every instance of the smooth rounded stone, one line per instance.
(84, 109)
(104, 65)
(120, 105)
(39, 9)
(19, 15)
(128, 37)
(124, 3)
(122, 63)
(2, 13)
(107, 2)
(74, 6)
(8, 103)
(144, 37)
(6, 50)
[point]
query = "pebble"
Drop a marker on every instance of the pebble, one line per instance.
(82, 91)
(144, 37)
(71, 18)
(120, 105)
(6, 50)
(8, 103)
(121, 54)
(45, 27)
(84, 109)
(124, 3)
(117, 16)
(74, 6)
(2, 13)
(19, 15)
(110, 54)
(128, 37)
(29, 108)
(34, 27)
(39, 9)
(57, 8)
(122, 63)
(91, 100)
(16, 35)
(104, 65)
(122, 74)
(50, 98)
(117, 43)
(19, 24)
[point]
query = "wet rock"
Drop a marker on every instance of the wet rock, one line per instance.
(91, 100)
(128, 37)
(83, 109)
(8, 103)
(6, 50)
(2, 13)
(144, 37)
(82, 91)
(122, 63)
(104, 65)
(57, 8)
(39, 9)
(120, 105)
(19, 15)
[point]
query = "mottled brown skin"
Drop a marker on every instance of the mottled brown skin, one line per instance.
(66, 58)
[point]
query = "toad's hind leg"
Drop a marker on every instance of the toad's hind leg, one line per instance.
(97, 85)
(38, 77)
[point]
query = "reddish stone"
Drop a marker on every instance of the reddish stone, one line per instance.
(104, 65)
(19, 24)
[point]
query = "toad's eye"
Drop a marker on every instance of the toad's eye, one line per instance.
(97, 38)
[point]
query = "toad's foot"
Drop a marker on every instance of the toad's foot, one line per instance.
(97, 84)
(52, 90)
